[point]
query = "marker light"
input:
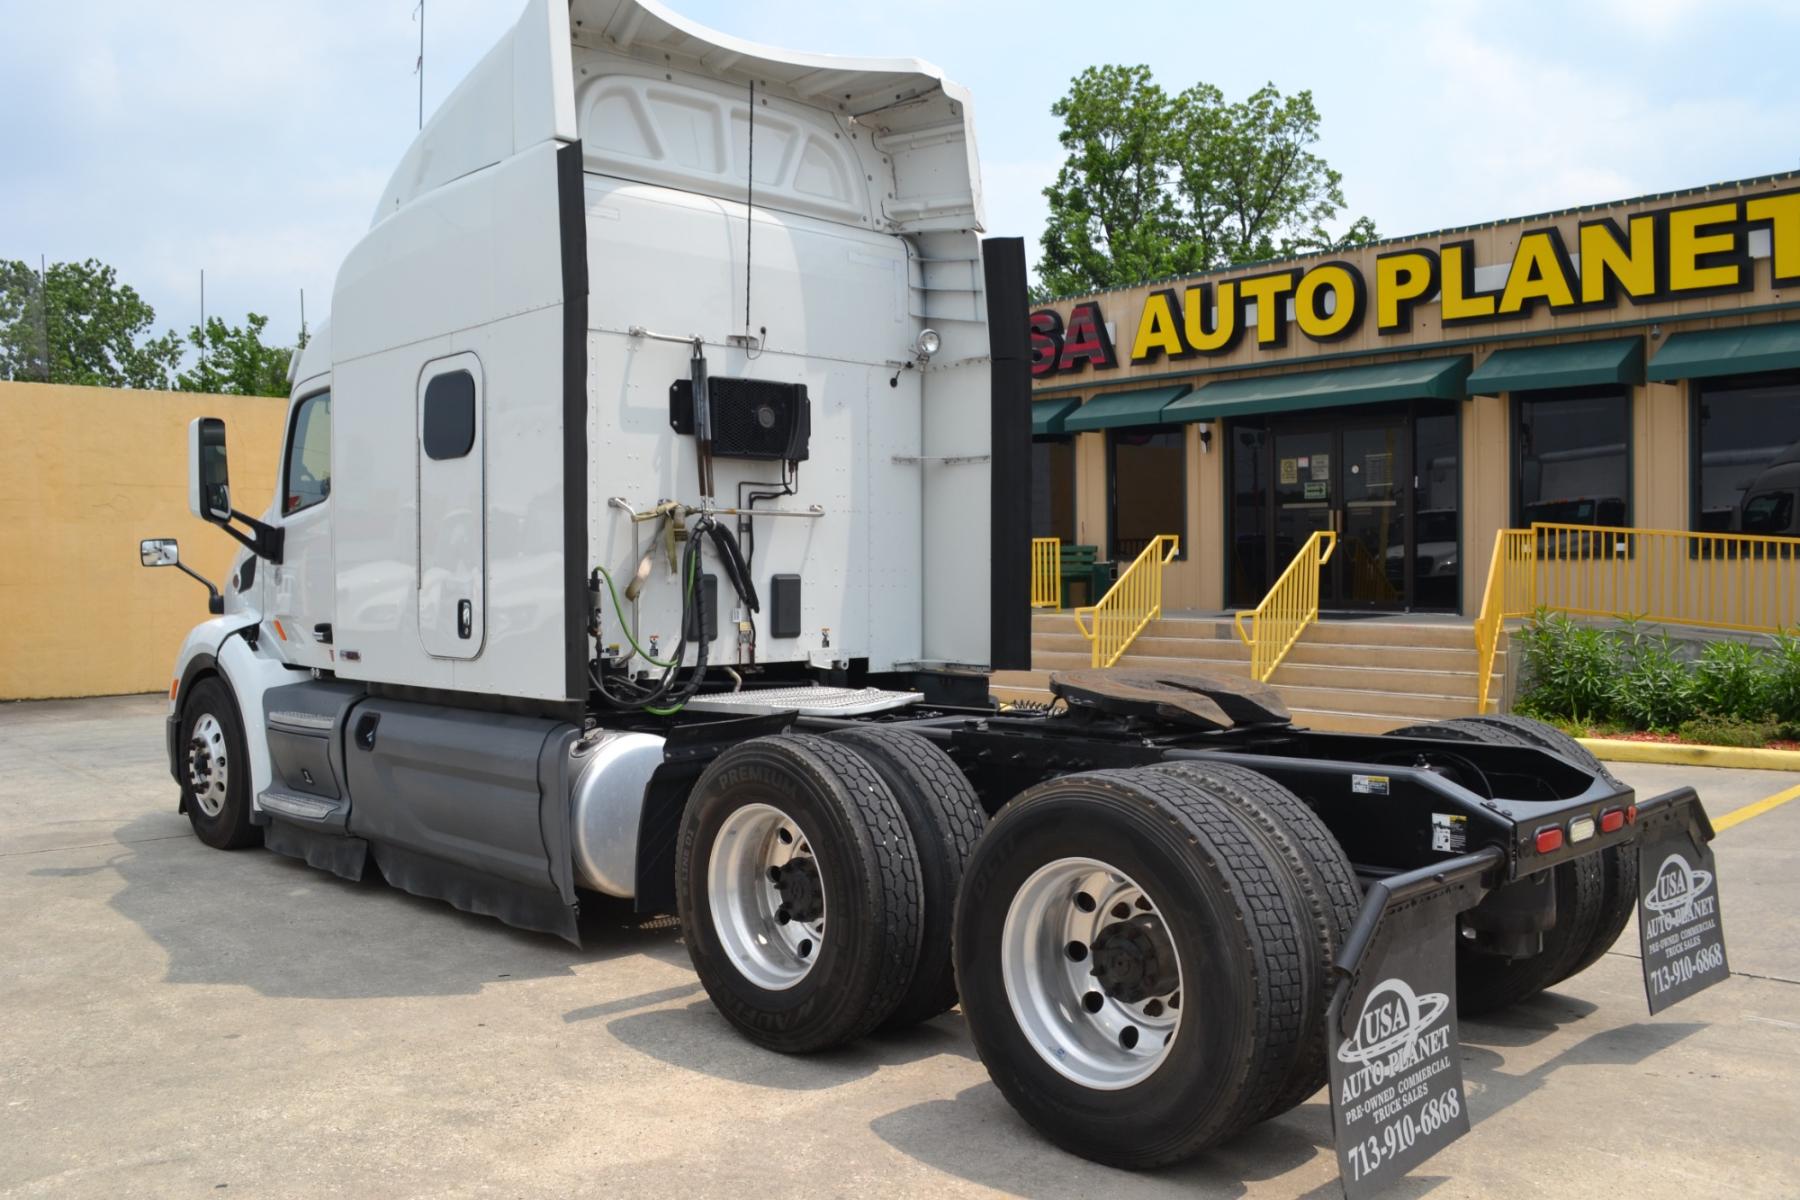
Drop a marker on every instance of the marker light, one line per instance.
(1612, 820)
(1549, 838)
(1581, 829)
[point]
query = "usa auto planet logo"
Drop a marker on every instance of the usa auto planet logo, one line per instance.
(1678, 897)
(1398, 1029)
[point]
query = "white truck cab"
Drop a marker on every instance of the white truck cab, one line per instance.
(649, 517)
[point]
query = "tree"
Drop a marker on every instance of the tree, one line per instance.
(79, 324)
(234, 361)
(1155, 185)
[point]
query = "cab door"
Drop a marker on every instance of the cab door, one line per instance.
(452, 529)
(302, 587)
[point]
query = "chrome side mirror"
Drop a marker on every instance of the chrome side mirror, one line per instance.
(160, 552)
(166, 552)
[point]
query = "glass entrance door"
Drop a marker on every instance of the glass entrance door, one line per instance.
(1354, 479)
(1371, 524)
(1306, 497)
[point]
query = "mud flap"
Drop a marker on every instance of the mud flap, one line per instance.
(1680, 931)
(1397, 1093)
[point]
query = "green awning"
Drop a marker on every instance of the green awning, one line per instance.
(1576, 364)
(1745, 350)
(1113, 410)
(1047, 415)
(1427, 378)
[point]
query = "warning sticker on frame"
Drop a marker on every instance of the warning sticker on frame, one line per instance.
(1679, 933)
(1369, 785)
(1449, 832)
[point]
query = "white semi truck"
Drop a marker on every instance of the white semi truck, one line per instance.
(650, 516)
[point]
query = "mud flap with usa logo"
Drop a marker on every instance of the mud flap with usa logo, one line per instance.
(1680, 931)
(1397, 1093)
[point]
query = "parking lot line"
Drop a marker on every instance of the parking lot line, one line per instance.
(1755, 809)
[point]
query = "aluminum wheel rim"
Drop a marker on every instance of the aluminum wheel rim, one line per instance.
(767, 942)
(1085, 1031)
(209, 773)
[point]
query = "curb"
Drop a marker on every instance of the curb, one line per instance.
(1678, 754)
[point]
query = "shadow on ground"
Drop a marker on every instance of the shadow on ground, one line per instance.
(281, 928)
(696, 1038)
(976, 1136)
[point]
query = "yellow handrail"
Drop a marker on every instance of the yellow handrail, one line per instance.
(1291, 605)
(1741, 581)
(1510, 591)
(1046, 572)
(1133, 601)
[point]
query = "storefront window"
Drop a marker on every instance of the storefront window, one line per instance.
(1573, 454)
(1053, 489)
(1747, 455)
(1148, 478)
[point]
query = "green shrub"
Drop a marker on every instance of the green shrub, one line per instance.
(1568, 671)
(1657, 691)
(1783, 688)
(1726, 731)
(1732, 679)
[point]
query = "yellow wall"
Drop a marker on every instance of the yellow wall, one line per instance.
(85, 473)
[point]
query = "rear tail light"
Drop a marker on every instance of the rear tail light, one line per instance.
(1549, 838)
(1612, 820)
(1581, 829)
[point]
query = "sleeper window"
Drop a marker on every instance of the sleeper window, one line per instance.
(449, 427)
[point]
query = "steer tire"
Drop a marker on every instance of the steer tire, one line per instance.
(867, 871)
(1595, 896)
(212, 733)
(1326, 895)
(946, 820)
(1221, 908)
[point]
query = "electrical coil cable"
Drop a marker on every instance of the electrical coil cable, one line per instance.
(669, 693)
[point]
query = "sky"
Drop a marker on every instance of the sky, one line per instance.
(251, 139)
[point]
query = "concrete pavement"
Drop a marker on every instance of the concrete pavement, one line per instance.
(180, 1021)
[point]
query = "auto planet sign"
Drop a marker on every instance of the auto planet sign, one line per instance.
(1687, 250)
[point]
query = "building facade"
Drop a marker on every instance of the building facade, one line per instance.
(1628, 364)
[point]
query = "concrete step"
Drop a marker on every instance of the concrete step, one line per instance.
(1416, 706)
(1398, 678)
(1375, 632)
(1347, 722)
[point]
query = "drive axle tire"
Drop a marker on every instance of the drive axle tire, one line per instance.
(946, 820)
(796, 881)
(215, 768)
(1326, 895)
(1594, 895)
(1128, 966)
